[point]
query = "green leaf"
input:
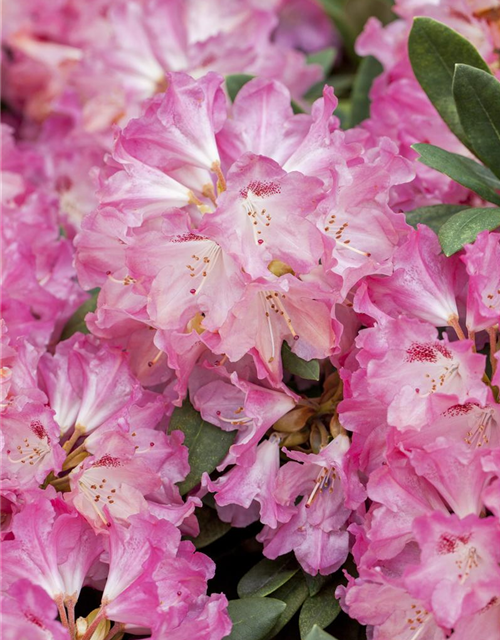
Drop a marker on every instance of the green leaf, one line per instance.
(267, 576)
(463, 227)
(293, 593)
(211, 527)
(316, 583)
(368, 70)
(434, 50)
(253, 617)
(321, 609)
(317, 633)
(235, 82)
(336, 10)
(477, 97)
(307, 369)
(77, 320)
(207, 443)
(325, 58)
(434, 216)
(463, 170)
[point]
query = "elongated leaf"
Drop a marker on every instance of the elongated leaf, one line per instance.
(316, 583)
(77, 320)
(434, 216)
(463, 227)
(267, 576)
(307, 369)
(211, 527)
(293, 593)
(463, 170)
(434, 50)
(368, 70)
(336, 10)
(321, 609)
(207, 443)
(325, 58)
(235, 82)
(317, 633)
(254, 617)
(477, 97)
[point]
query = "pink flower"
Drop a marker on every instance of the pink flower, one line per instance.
(388, 610)
(269, 313)
(53, 547)
(316, 532)
(458, 573)
(30, 447)
(267, 208)
(28, 612)
(483, 297)
(244, 484)
(423, 283)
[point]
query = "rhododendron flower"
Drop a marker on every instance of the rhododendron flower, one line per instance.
(458, 574)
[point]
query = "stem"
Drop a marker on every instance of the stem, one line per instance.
(90, 630)
(492, 332)
(72, 455)
(68, 445)
(61, 484)
(116, 628)
(472, 336)
(70, 605)
(453, 321)
(62, 611)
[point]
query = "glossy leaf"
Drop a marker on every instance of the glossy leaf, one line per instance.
(477, 97)
(307, 369)
(77, 320)
(321, 609)
(325, 58)
(434, 50)
(463, 170)
(434, 216)
(368, 70)
(211, 527)
(253, 617)
(235, 82)
(207, 443)
(463, 227)
(317, 633)
(293, 593)
(316, 583)
(267, 576)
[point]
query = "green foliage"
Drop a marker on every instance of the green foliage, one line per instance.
(307, 369)
(235, 82)
(477, 98)
(77, 320)
(292, 593)
(211, 527)
(325, 58)
(463, 170)
(267, 576)
(207, 443)
(321, 609)
(368, 70)
(434, 50)
(253, 617)
(317, 633)
(434, 216)
(464, 226)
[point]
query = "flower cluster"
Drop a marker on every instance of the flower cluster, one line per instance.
(216, 302)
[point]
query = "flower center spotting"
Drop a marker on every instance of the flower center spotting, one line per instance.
(437, 369)
(467, 558)
(258, 217)
(32, 451)
(273, 304)
(202, 260)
